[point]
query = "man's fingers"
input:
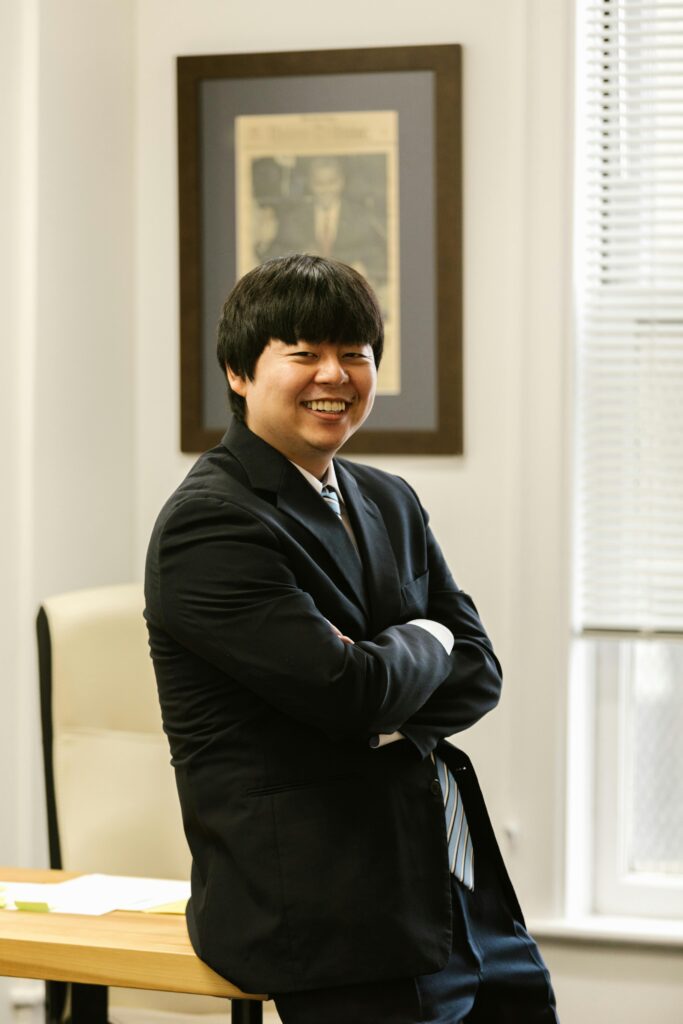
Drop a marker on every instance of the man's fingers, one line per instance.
(338, 633)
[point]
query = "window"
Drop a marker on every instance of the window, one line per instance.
(627, 676)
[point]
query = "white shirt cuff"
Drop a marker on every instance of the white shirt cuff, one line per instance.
(438, 630)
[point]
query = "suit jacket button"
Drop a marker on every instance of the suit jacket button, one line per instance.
(435, 787)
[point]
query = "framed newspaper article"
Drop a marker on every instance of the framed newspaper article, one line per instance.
(353, 154)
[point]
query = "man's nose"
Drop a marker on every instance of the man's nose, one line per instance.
(331, 370)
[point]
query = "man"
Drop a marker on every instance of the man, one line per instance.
(312, 651)
(329, 219)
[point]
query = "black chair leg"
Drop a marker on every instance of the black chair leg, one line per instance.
(246, 1011)
(89, 1004)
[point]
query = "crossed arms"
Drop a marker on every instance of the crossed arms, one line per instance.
(228, 593)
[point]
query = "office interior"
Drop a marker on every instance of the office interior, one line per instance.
(89, 404)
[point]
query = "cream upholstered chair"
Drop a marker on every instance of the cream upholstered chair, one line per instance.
(111, 798)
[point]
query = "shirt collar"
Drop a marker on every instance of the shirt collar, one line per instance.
(329, 478)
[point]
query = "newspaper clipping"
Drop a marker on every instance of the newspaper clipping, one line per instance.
(325, 184)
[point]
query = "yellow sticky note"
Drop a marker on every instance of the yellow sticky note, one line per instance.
(175, 907)
(35, 906)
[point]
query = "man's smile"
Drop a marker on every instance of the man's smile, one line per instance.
(326, 404)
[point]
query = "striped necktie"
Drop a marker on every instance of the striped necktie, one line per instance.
(331, 498)
(460, 852)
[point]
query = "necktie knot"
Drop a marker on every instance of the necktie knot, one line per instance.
(331, 498)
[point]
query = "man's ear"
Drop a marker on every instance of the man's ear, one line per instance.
(236, 382)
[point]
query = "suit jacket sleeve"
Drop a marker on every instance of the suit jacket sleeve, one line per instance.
(224, 589)
(473, 685)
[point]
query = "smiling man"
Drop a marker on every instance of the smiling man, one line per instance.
(308, 397)
(312, 652)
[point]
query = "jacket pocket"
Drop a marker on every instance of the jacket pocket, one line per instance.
(415, 596)
(291, 787)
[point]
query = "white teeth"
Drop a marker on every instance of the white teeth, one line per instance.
(326, 405)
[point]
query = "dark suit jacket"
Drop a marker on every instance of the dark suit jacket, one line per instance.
(316, 859)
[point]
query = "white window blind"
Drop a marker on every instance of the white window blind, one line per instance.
(630, 304)
(628, 615)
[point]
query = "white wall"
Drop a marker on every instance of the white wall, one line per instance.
(83, 400)
(67, 267)
(608, 984)
(17, 105)
(66, 390)
(89, 401)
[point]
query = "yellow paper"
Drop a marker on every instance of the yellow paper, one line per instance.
(175, 907)
(33, 905)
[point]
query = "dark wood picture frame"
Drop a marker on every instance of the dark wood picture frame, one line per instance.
(430, 288)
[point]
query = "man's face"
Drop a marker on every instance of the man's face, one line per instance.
(306, 400)
(327, 183)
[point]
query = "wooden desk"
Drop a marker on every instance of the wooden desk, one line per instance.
(130, 950)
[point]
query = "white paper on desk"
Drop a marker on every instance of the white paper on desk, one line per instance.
(75, 896)
(93, 895)
(146, 893)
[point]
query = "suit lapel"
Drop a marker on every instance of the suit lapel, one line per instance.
(297, 499)
(317, 527)
(377, 555)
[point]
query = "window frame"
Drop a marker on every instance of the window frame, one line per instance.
(598, 880)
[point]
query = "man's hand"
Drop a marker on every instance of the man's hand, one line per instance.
(338, 633)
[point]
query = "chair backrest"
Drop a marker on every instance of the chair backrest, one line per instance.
(111, 798)
(112, 803)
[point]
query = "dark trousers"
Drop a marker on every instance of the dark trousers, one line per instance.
(495, 975)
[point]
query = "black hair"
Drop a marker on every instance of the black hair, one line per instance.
(295, 298)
